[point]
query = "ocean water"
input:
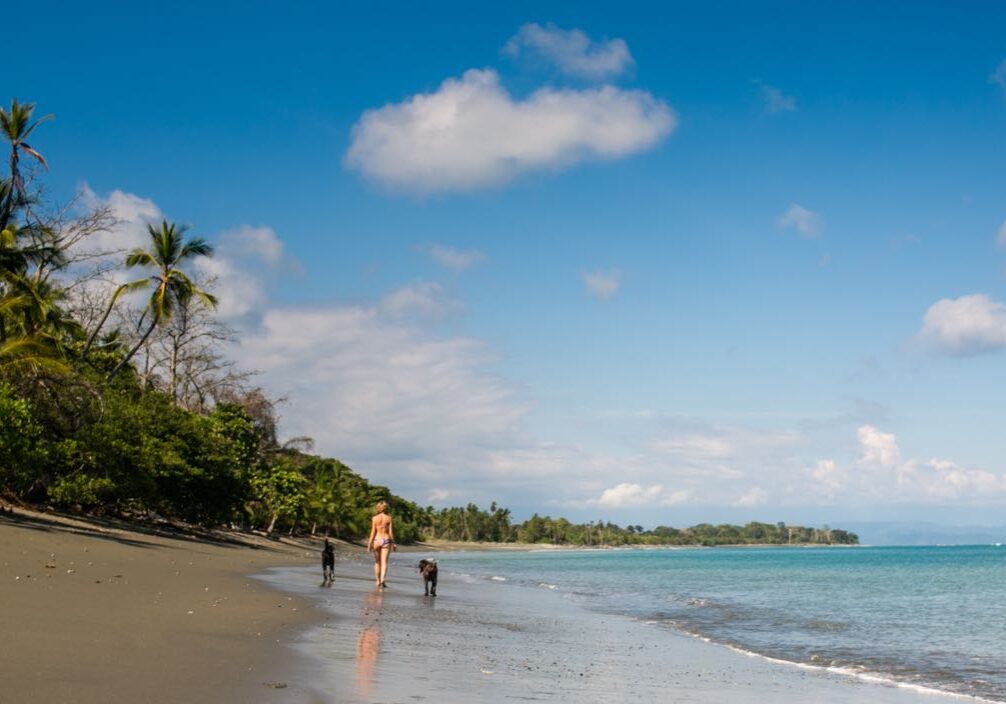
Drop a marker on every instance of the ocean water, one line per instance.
(931, 617)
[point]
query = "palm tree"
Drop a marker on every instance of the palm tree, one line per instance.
(33, 328)
(38, 311)
(172, 288)
(16, 126)
(119, 290)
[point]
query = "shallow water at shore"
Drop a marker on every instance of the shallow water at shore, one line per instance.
(931, 617)
(510, 639)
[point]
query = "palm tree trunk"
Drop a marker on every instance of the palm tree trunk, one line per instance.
(173, 372)
(104, 318)
(125, 360)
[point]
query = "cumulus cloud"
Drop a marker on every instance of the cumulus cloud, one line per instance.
(454, 259)
(805, 222)
(603, 285)
(471, 133)
(941, 479)
(965, 326)
(826, 473)
(877, 448)
(572, 51)
(883, 473)
(775, 101)
(245, 260)
(628, 494)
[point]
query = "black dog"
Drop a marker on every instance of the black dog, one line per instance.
(428, 568)
(328, 564)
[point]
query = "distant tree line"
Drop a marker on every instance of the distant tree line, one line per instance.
(116, 396)
(473, 524)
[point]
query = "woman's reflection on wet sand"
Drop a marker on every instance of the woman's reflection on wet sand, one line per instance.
(369, 644)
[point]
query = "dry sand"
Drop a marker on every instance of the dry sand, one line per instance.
(94, 612)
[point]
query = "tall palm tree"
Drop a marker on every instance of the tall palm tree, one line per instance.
(172, 288)
(16, 126)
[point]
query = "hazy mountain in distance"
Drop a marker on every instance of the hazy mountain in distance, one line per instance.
(918, 533)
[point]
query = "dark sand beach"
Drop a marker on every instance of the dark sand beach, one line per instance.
(98, 613)
(95, 612)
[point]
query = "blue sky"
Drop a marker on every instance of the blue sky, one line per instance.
(657, 264)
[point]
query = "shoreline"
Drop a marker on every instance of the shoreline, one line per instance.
(490, 641)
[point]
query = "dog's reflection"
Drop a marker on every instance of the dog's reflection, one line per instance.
(369, 644)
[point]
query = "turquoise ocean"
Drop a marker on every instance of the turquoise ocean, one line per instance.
(928, 617)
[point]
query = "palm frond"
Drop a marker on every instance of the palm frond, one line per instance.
(38, 157)
(140, 257)
(196, 248)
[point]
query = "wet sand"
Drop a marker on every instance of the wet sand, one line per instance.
(94, 612)
(492, 642)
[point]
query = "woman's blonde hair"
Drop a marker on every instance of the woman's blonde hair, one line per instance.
(381, 507)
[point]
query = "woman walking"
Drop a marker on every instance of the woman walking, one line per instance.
(381, 541)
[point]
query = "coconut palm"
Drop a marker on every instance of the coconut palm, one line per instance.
(37, 311)
(172, 288)
(16, 126)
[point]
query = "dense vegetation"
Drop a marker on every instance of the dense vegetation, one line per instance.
(116, 396)
(473, 524)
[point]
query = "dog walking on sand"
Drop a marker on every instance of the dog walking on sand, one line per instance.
(428, 568)
(327, 564)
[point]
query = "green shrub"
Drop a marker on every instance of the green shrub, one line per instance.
(21, 453)
(80, 490)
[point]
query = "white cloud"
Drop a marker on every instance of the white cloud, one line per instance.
(603, 285)
(243, 263)
(471, 133)
(131, 214)
(454, 259)
(628, 494)
(965, 326)
(826, 473)
(804, 221)
(776, 101)
(756, 496)
(934, 480)
(572, 51)
(1001, 236)
(877, 448)
(260, 243)
(424, 299)
(999, 75)
(376, 389)
(942, 479)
